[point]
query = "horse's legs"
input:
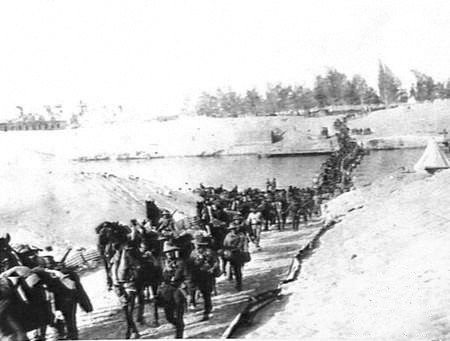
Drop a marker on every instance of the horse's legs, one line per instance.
(131, 304)
(127, 300)
(154, 288)
(108, 273)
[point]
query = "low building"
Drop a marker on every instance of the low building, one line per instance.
(33, 125)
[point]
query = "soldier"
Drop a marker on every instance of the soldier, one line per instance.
(234, 244)
(254, 220)
(205, 267)
(166, 224)
(171, 295)
(293, 210)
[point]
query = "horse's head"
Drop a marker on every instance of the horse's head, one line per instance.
(112, 233)
(8, 260)
(128, 263)
(5, 238)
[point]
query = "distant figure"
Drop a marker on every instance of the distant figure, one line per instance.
(268, 185)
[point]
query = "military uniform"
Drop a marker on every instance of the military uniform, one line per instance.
(205, 267)
(235, 242)
(171, 296)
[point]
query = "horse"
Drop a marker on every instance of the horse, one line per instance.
(268, 214)
(65, 285)
(38, 283)
(24, 305)
(132, 266)
(110, 235)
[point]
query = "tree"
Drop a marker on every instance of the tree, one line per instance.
(253, 102)
(371, 97)
(302, 99)
(336, 84)
(278, 98)
(321, 92)
(425, 87)
(307, 99)
(388, 84)
(230, 103)
(356, 90)
(207, 105)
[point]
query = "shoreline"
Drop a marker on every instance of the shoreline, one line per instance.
(370, 144)
(382, 265)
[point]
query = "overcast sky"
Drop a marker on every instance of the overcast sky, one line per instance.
(154, 54)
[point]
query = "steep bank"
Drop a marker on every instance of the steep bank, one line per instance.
(49, 203)
(382, 272)
(407, 126)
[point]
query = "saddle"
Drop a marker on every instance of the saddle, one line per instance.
(22, 280)
(31, 304)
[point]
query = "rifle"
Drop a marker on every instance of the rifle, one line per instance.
(64, 257)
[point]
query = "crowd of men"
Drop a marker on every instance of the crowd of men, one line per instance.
(226, 224)
(228, 221)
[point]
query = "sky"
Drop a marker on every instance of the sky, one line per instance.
(151, 56)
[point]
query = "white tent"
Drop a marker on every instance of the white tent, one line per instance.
(433, 158)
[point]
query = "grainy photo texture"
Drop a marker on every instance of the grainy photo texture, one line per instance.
(213, 169)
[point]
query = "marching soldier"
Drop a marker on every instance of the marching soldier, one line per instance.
(234, 244)
(254, 220)
(171, 294)
(205, 267)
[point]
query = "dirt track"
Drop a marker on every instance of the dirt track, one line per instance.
(265, 270)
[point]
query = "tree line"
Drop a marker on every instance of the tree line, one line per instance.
(330, 89)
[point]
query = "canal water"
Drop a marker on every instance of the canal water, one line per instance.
(250, 171)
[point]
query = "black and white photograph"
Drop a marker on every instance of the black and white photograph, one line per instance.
(215, 169)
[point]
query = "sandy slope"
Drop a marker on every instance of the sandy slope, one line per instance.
(381, 273)
(407, 126)
(49, 202)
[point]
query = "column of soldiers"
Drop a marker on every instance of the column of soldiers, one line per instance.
(227, 222)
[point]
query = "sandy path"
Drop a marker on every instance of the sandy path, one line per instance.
(262, 273)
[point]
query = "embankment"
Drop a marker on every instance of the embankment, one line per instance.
(382, 272)
(407, 126)
(48, 205)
